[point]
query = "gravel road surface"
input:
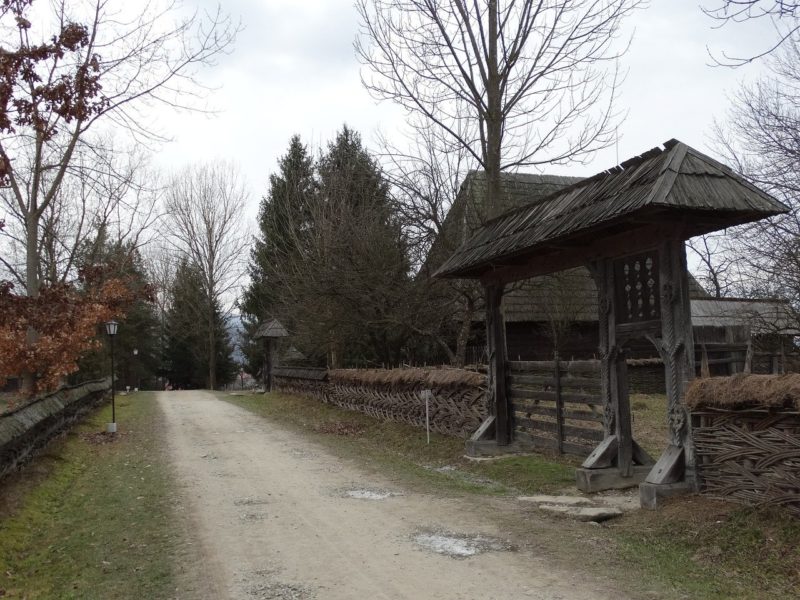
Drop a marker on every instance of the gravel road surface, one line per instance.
(275, 515)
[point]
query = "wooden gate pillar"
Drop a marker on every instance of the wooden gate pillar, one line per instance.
(618, 462)
(676, 347)
(496, 346)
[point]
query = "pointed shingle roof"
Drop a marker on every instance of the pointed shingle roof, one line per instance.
(271, 329)
(677, 180)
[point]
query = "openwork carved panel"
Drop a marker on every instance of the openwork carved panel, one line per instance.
(636, 288)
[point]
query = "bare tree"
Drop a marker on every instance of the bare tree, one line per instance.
(761, 139)
(719, 272)
(108, 194)
(205, 208)
(783, 14)
(426, 178)
(107, 63)
(517, 84)
(71, 66)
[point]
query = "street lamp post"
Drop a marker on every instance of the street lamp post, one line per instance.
(136, 369)
(111, 330)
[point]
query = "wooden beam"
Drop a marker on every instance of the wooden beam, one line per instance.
(624, 428)
(629, 242)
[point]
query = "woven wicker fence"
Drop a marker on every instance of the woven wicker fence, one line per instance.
(456, 406)
(746, 433)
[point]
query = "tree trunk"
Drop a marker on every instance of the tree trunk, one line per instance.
(494, 118)
(31, 287)
(212, 349)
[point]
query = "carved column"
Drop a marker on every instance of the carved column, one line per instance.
(677, 342)
(603, 275)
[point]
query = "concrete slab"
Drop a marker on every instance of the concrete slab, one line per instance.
(560, 500)
(584, 513)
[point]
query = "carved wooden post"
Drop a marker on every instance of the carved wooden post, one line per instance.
(496, 342)
(677, 350)
(618, 453)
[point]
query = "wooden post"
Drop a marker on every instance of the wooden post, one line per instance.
(624, 428)
(265, 364)
(705, 371)
(603, 274)
(559, 405)
(268, 364)
(677, 342)
(496, 342)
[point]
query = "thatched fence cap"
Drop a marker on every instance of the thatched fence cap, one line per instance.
(426, 377)
(745, 391)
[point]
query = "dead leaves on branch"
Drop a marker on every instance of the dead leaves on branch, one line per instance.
(47, 335)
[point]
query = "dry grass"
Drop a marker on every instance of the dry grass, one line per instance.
(432, 377)
(650, 428)
(745, 391)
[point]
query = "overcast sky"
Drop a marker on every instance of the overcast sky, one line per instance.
(294, 70)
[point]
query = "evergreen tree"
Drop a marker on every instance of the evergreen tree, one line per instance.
(330, 262)
(186, 351)
(283, 220)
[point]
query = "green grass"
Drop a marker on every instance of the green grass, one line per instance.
(716, 550)
(93, 520)
(402, 451)
(694, 548)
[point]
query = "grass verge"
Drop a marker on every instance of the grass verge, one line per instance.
(693, 548)
(402, 450)
(92, 517)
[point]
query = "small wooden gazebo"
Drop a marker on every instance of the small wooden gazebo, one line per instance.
(269, 331)
(628, 226)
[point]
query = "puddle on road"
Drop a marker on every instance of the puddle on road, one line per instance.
(459, 545)
(369, 494)
(250, 502)
(364, 493)
(254, 516)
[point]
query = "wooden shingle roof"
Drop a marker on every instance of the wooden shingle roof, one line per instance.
(270, 329)
(675, 183)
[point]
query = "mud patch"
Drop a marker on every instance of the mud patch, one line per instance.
(456, 545)
(340, 428)
(99, 438)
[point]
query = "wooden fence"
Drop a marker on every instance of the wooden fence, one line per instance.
(29, 427)
(456, 400)
(556, 404)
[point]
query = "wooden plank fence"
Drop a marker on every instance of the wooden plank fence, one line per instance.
(556, 404)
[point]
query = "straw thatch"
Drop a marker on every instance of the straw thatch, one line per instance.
(417, 377)
(745, 392)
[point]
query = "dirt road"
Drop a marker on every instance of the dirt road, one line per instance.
(276, 516)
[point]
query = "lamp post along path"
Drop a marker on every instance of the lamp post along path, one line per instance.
(111, 330)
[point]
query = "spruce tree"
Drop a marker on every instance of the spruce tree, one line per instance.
(186, 351)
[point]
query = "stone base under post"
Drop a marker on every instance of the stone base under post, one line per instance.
(590, 481)
(652, 495)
